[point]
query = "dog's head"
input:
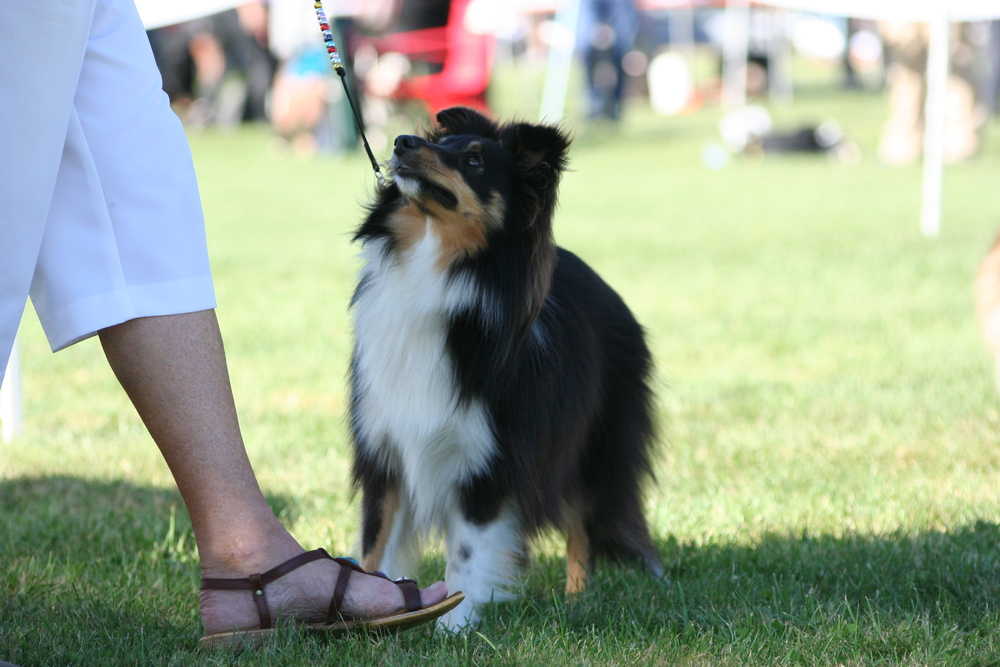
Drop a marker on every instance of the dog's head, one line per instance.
(473, 171)
(475, 181)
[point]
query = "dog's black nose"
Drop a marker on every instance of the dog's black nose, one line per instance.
(405, 142)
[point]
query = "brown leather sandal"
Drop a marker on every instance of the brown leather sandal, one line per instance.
(336, 622)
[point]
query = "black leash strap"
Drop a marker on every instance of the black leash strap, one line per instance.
(338, 67)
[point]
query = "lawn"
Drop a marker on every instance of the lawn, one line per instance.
(828, 476)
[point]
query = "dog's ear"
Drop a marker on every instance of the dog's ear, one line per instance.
(463, 120)
(541, 150)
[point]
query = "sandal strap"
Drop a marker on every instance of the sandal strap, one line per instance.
(411, 594)
(347, 568)
(409, 588)
(256, 582)
(260, 599)
(294, 563)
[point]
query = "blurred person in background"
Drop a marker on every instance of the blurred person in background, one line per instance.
(217, 70)
(902, 135)
(606, 32)
(309, 112)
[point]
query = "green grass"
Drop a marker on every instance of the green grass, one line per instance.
(828, 483)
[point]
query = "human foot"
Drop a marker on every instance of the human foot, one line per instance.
(302, 589)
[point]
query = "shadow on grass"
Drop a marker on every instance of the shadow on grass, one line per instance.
(80, 519)
(104, 573)
(95, 572)
(864, 597)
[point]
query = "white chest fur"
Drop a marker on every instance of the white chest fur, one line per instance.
(408, 407)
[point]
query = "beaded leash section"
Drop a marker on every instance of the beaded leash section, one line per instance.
(338, 67)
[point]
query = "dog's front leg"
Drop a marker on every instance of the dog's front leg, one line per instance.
(483, 562)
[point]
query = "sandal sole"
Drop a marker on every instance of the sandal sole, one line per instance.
(383, 625)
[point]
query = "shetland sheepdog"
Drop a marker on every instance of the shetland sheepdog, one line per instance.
(498, 385)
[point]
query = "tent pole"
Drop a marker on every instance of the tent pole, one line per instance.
(560, 62)
(736, 36)
(934, 125)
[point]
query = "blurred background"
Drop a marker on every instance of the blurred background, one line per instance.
(668, 87)
(591, 61)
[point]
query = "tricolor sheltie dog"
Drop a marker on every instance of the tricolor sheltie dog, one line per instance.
(499, 386)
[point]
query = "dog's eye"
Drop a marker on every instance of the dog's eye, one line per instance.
(473, 160)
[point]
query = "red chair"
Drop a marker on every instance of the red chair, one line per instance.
(466, 59)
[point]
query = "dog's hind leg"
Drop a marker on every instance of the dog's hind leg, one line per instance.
(374, 548)
(390, 543)
(578, 556)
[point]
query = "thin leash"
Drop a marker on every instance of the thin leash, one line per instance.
(338, 67)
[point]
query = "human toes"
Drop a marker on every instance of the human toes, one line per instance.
(433, 593)
(370, 596)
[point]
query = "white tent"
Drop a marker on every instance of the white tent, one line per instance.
(158, 13)
(896, 10)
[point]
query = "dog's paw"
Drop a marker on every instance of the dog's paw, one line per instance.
(460, 619)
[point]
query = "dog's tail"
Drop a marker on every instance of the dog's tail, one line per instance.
(618, 463)
(620, 533)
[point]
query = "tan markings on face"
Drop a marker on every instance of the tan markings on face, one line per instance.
(461, 233)
(463, 230)
(409, 224)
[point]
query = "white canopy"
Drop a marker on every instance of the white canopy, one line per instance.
(896, 10)
(158, 13)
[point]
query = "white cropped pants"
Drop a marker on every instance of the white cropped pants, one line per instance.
(100, 217)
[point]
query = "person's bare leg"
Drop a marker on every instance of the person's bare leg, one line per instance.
(173, 368)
